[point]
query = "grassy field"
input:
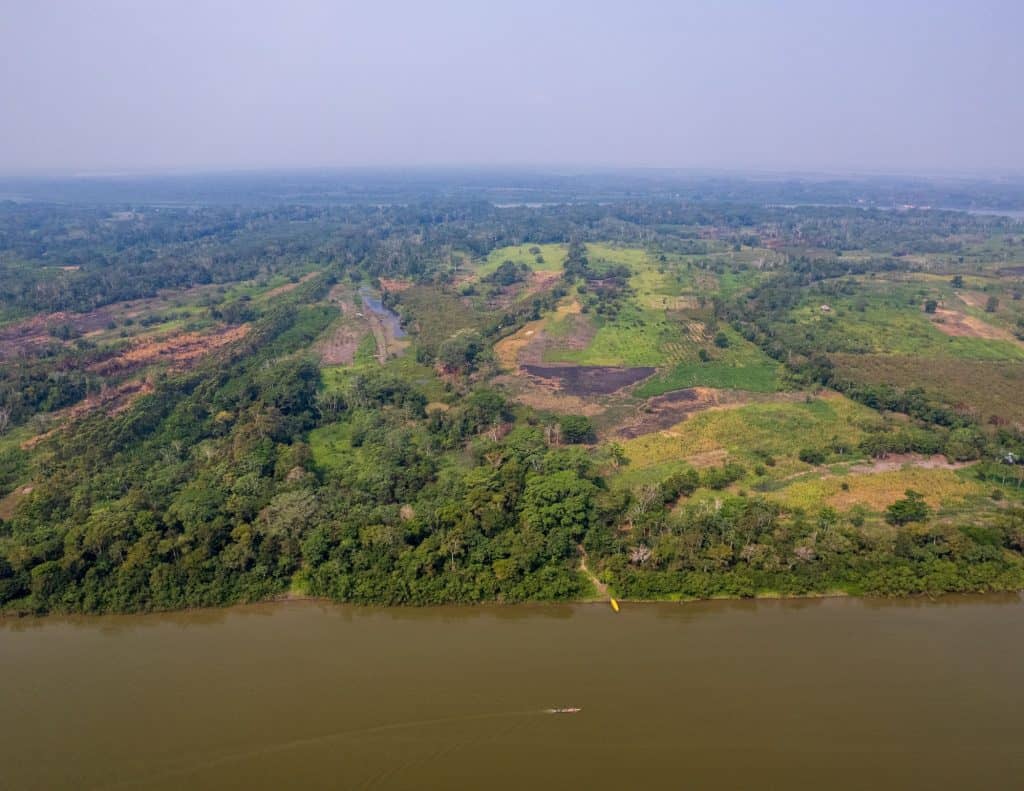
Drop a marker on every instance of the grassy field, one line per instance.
(942, 488)
(887, 318)
(437, 315)
(553, 256)
(741, 366)
(991, 388)
(330, 445)
(751, 432)
(637, 336)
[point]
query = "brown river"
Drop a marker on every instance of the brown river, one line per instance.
(828, 694)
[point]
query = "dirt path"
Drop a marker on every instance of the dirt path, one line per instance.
(897, 461)
(602, 589)
(381, 336)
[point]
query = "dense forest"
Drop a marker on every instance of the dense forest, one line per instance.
(449, 399)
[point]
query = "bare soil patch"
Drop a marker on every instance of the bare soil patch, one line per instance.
(509, 349)
(546, 397)
(339, 347)
(29, 336)
(972, 299)
(179, 350)
(540, 281)
(897, 461)
(580, 334)
(960, 325)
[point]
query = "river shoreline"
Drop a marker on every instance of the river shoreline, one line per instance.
(499, 605)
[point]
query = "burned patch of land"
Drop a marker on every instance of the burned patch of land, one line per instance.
(665, 411)
(589, 380)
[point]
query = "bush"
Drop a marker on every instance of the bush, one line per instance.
(461, 352)
(576, 429)
(812, 456)
(912, 508)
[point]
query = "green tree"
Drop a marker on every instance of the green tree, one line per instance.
(576, 429)
(912, 508)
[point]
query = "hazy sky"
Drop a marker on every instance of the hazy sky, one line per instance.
(818, 85)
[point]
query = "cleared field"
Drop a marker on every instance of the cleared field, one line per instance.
(552, 258)
(749, 432)
(991, 388)
(876, 490)
(636, 337)
(437, 315)
(336, 378)
(331, 446)
(889, 319)
(741, 366)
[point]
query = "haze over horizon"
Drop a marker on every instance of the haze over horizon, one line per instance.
(795, 86)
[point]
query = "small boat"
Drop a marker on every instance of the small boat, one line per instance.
(567, 710)
(615, 605)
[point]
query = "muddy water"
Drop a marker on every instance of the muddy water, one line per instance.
(815, 694)
(390, 319)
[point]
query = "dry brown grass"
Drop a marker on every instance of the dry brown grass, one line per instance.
(878, 490)
(395, 285)
(985, 387)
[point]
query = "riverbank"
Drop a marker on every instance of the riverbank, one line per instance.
(600, 598)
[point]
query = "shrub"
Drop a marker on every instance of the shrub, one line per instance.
(912, 508)
(812, 456)
(576, 429)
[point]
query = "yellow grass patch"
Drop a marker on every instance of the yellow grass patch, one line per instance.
(507, 349)
(877, 490)
(778, 428)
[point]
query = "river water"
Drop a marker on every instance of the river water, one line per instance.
(775, 694)
(390, 319)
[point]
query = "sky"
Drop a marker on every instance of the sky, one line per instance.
(806, 86)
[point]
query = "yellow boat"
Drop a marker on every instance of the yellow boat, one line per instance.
(615, 605)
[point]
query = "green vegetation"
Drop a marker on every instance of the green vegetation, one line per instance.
(197, 407)
(537, 257)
